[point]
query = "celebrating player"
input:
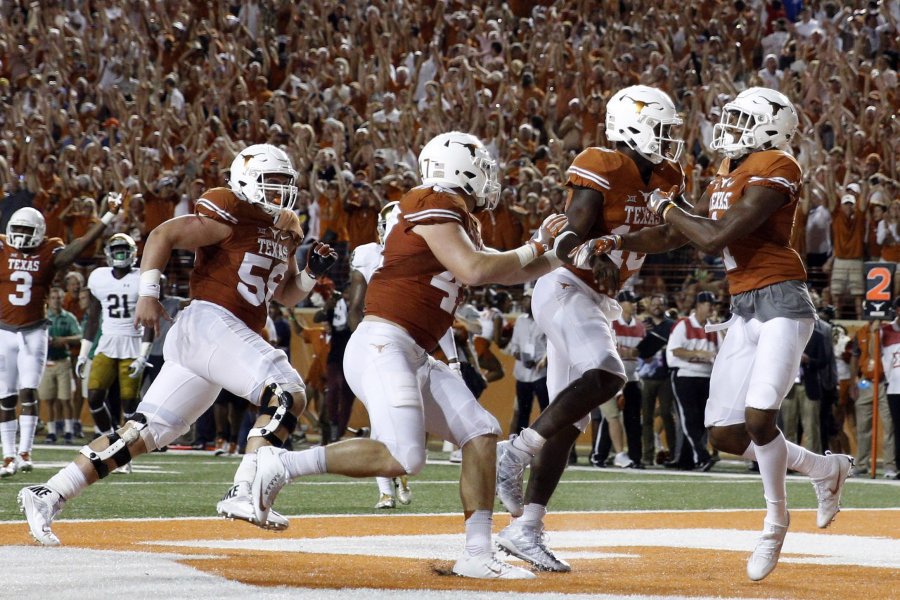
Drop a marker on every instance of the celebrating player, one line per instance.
(434, 249)
(244, 239)
(28, 264)
(575, 305)
(747, 214)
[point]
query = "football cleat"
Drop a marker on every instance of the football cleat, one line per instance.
(236, 504)
(221, 447)
(488, 566)
(10, 466)
(511, 463)
(765, 556)
(40, 505)
(828, 489)
(456, 456)
(529, 544)
(25, 463)
(123, 470)
(404, 494)
(270, 477)
(386, 501)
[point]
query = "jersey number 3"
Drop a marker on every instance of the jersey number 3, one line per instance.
(253, 288)
(23, 280)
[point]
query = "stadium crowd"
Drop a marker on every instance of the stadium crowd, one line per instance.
(153, 99)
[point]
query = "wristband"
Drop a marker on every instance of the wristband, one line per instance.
(305, 282)
(145, 349)
(149, 283)
(85, 348)
(666, 208)
(528, 251)
(107, 218)
(617, 240)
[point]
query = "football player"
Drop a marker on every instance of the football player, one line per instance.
(575, 304)
(363, 262)
(28, 264)
(122, 349)
(244, 239)
(432, 251)
(747, 214)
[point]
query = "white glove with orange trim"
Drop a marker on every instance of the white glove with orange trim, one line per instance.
(581, 255)
(660, 202)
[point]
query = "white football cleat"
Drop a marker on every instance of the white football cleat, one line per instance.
(24, 460)
(765, 556)
(10, 466)
(456, 456)
(236, 504)
(123, 470)
(623, 461)
(529, 544)
(488, 566)
(386, 501)
(828, 489)
(270, 477)
(40, 505)
(511, 463)
(404, 494)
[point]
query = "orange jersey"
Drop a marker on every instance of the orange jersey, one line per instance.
(25, 279)
(412, 288)
(764, 257)
(616, 176)
(241, 272)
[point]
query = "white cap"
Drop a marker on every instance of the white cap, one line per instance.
(854, 188)
(848, 199)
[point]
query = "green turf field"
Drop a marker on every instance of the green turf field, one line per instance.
(189, 485)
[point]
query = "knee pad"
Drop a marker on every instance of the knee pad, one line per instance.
(9, 403)
(411, 459)
(280, 413)
(118, 447)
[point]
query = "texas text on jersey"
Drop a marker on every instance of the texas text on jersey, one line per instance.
(412, 288)
(616, 176)
(241, 273)
(25, 279)
(763, 257)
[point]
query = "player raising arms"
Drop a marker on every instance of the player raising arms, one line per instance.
(574, 305)
(433, 249)
(28, 264)
(244, 239)
(747, 213)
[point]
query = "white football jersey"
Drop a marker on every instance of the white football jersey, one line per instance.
(118, 299)
(366, 259)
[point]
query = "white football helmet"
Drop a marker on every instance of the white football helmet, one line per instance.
(387, 218)
(757, 119)
(460, 160)
(643, 118)
(249, 170)
(121, 251)
(25, 229)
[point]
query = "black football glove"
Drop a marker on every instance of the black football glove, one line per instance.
(321, 258)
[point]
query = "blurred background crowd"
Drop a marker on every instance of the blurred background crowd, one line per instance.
(153, 98)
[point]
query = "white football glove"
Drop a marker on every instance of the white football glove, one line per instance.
(82, 361)
(659, 201)
(549, 229)
(140, 363)
(455, 367)
(581, 255)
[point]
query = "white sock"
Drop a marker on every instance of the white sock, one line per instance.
(306, 462)
(532, 515)
(385, 485)
(246, 470)
(51, 428)
(530, 441)
(27, 426)
(772, 459)
(814, 466)
(69, 426)
(69, 482)
(8, 431)
(478, 532)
